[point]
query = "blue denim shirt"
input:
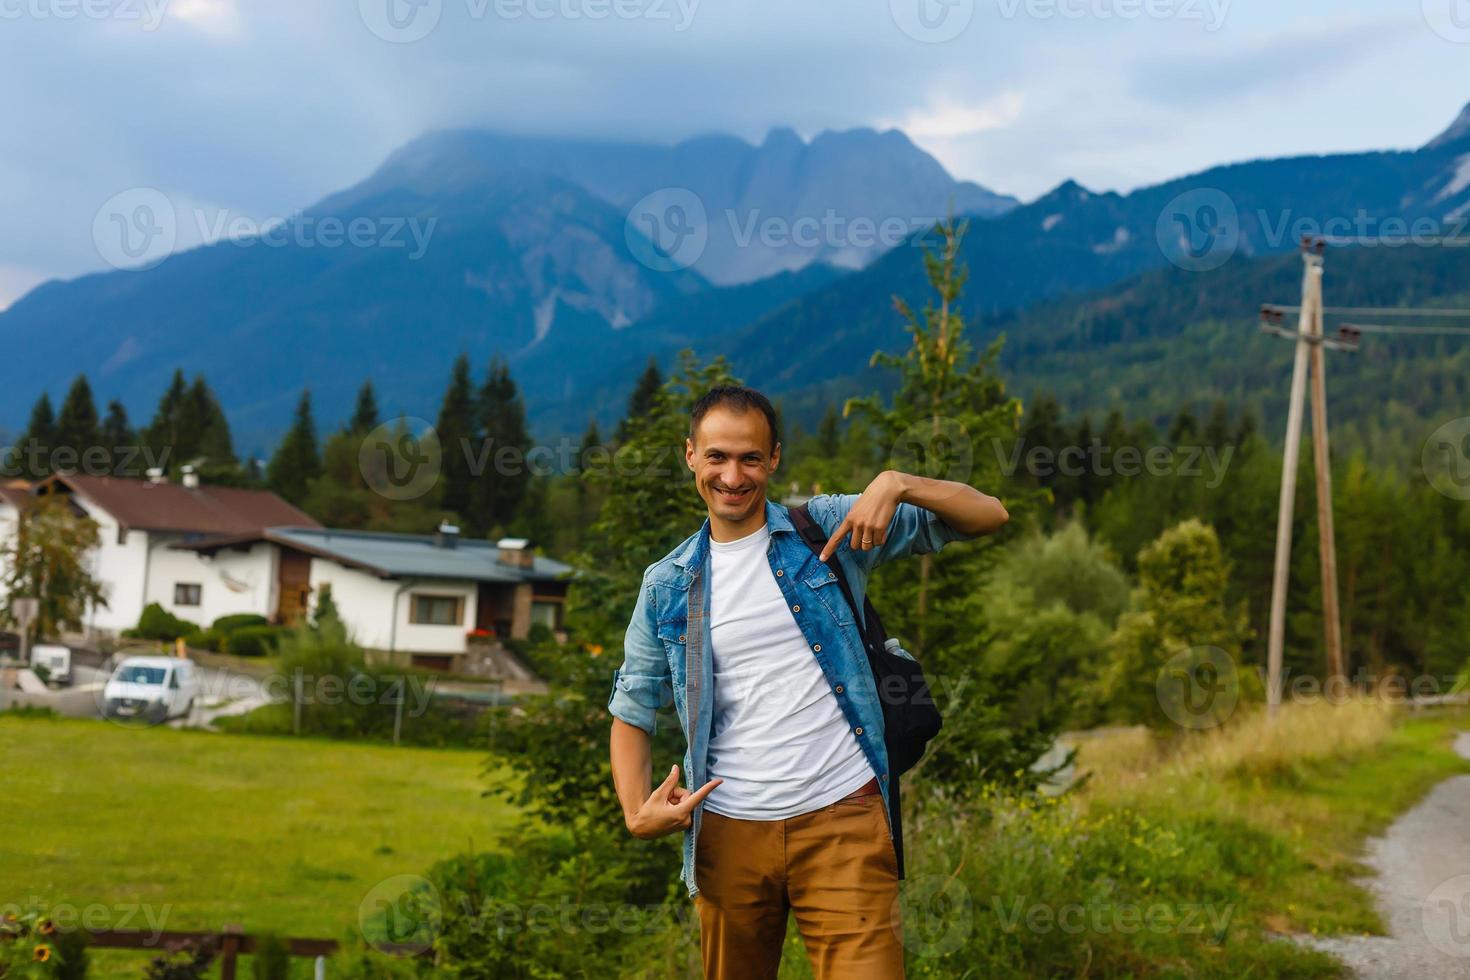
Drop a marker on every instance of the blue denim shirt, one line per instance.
(666, 652)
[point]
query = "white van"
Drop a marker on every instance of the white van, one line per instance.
(56, 659)
(151, 688)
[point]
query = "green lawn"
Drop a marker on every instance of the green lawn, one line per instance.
(280, 834)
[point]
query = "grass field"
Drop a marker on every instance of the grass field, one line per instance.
(197, 829)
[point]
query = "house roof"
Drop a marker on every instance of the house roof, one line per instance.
(397, 555)
(204, 509)
(15, 493)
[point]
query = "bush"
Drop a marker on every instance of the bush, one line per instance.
(270, 960)
(228, 624)
(253, 641)
(156, 623)
(210, 639)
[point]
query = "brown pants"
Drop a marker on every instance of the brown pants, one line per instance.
(834, 868)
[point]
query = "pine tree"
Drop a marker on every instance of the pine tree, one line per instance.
(296, 461)
(365, 416)
(39, 440)
(76, 426)
(501, 489)
(642, 399)
(117, 437)
(162, 434)
(211, 441)
(459, 442)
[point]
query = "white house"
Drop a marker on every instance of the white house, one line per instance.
(428, 600)
(202, 552)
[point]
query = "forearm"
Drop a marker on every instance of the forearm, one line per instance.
(959, 505)
(632, 765)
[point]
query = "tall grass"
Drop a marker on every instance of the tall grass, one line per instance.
(1178, 856)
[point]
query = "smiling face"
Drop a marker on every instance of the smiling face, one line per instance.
(732, 459)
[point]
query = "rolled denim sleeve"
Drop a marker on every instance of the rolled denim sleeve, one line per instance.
(642, 684)
(913, 530)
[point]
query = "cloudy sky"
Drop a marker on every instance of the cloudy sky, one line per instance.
(256, 108)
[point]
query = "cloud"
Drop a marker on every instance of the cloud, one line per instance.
(946, 119)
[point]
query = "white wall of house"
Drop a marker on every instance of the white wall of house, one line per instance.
(120, 563)
(9, 520)
(231, 581)
(370, 606)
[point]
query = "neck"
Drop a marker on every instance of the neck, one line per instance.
(722, 530)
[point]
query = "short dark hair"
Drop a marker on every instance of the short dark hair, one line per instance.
(738, 399)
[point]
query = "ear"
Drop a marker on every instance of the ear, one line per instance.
(775, 457)
(689, 454)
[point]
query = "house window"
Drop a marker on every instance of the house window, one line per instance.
(186, 594)
(548, 614)
(436, 610)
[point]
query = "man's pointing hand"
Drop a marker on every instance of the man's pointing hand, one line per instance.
(669, 808)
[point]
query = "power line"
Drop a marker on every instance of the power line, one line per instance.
(1404, 328)
(1377, 311)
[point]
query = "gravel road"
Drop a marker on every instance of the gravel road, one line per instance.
(1421, 884)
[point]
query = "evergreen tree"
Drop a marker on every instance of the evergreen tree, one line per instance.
(459, 442)
(501, 489)
(116, 433)
(163, 433)
(641, 401)
(209, 436)
(39, 440)
(76, 426)
(296, 461)
(365, 415)
(829, 435)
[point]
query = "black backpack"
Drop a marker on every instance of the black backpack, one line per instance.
(910, 716)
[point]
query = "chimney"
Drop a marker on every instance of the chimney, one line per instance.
(155, 476)
(447, 536)
(516, 551)
(190, 478)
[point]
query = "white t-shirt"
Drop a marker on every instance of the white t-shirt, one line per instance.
(778, 738)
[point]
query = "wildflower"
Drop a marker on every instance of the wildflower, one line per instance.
(42, 954)
(46, 928)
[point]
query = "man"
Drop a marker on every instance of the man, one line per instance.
(747, 634)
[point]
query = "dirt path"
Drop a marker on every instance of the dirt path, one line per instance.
(1422, 887)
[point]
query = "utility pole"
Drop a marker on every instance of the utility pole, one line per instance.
(1311, 288)
(1310, 342)
(1326, 539)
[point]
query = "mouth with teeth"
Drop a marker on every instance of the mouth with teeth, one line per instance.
(733, 496)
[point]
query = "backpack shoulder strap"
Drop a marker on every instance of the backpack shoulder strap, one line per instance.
(816, 539)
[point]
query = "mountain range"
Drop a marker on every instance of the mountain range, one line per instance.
(540, 251)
